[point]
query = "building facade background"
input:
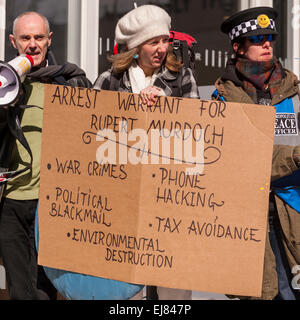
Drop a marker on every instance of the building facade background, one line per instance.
(84, 30)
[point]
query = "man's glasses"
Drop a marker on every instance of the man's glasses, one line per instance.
(262, 38)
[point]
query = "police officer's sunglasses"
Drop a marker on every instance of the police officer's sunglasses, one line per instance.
(262, 38)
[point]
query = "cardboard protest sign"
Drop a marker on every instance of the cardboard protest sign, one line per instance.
(181, 203)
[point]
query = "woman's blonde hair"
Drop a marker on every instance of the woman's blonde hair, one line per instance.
(123, 60)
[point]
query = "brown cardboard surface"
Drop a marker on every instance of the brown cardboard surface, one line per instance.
(153, 223)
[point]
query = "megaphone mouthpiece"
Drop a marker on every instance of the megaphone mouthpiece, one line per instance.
(29, 57)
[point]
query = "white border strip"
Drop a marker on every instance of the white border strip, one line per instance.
(2, 28)
(74, 30)
(89, 53)
(295, 22)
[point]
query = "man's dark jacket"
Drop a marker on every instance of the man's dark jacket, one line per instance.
(67, 74)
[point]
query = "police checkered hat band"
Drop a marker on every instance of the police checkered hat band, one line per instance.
(249, 26)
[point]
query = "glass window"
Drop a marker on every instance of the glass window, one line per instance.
(281, 26)
(57, 13)
(199, 18)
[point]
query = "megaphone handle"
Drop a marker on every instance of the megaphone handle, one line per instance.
(16, 130)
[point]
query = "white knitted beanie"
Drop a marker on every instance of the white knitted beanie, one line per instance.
(141, 24)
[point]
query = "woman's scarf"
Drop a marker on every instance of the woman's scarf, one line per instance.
(262, 75)
(138, 80)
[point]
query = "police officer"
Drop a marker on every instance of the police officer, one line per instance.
(255, 75)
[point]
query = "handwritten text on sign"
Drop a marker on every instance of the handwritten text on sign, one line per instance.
(160, 195)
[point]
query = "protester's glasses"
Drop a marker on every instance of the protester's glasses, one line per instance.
(262, 38)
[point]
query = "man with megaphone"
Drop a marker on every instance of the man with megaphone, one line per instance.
(21, 110)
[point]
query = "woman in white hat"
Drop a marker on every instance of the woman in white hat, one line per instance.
(147, 65)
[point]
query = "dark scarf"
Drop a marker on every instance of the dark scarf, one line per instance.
(54, 73)
(263, 75)
(58, 74)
